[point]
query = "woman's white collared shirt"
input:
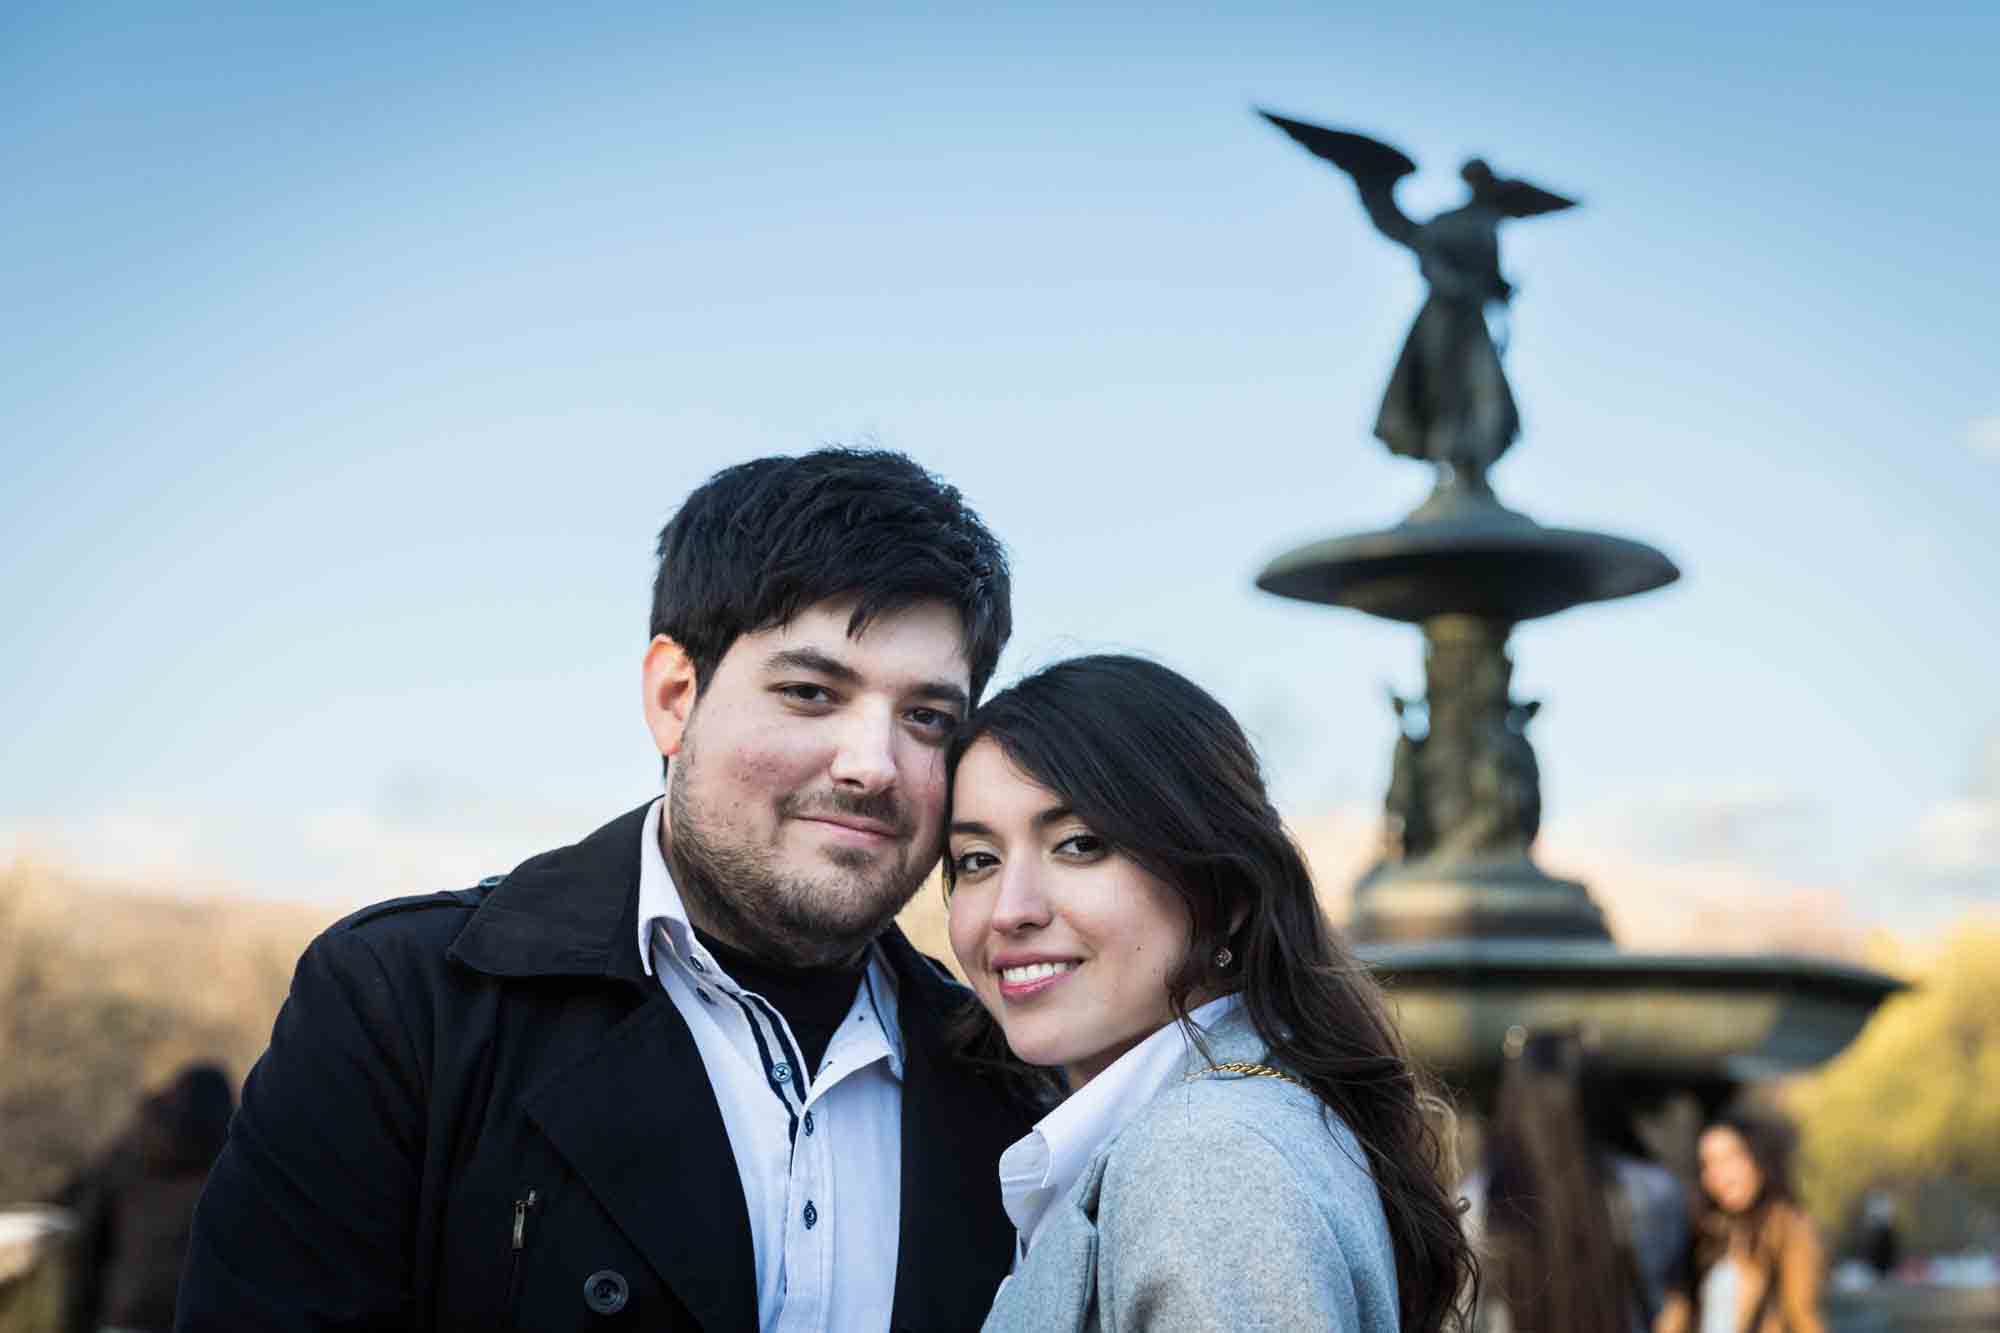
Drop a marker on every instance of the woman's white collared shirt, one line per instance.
(1041, 1168)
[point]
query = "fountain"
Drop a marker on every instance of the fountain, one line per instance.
(1472, 937)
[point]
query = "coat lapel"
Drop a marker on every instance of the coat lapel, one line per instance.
(1057, 1288)
(1058, 1291)
(955, 1242)
(635, 1117)
(638, 1123)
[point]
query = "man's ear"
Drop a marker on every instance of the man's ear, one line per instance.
(670, 690)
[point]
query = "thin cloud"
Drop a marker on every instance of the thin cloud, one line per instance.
(1714, 907)
(1960, 837)
(1952, 855)
(146, 850)
(1983, 436)
(1723, 820)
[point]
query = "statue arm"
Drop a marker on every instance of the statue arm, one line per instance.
(1518, 199)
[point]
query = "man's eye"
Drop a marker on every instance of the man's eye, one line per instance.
(806, 694)
(933, 719)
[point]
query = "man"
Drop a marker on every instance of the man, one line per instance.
(686, 1073)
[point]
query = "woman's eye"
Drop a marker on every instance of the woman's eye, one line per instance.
(1083, 846)
(971, 863)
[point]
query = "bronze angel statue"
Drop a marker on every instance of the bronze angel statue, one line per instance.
(1448, 400)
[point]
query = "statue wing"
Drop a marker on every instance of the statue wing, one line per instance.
(1518, 199)
(1375, 167)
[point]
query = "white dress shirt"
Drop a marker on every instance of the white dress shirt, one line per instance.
(1040, 1169)
(820, 1153)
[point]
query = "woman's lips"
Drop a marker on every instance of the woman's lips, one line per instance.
(1031, 979)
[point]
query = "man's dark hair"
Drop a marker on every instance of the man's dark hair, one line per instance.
(762, 541)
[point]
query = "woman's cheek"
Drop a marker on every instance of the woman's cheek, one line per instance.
(963, 931)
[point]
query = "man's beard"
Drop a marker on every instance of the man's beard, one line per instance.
(798, 919)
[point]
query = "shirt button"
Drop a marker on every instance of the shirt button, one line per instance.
(782, 1073)
(812, 1215)
(809, 1124)
(695, 963)
(605, 1291)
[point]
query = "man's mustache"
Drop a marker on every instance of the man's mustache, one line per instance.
(881, 808)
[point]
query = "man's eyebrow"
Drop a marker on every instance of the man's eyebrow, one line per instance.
(813, 660)
(944, 692)
(821, 664)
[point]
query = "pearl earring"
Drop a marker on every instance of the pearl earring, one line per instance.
(1223, 958)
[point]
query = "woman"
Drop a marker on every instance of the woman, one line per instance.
(1244, 1142)
(1574, 1234)
(1757, 1262)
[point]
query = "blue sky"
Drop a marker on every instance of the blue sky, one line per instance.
(354, 359)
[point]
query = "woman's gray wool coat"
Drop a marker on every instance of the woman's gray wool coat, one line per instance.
(1229, 1202)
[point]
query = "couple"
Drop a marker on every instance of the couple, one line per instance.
(686, 1074)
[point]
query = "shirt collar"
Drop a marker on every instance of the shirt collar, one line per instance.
(661, 906)
(659, 899)
(1039, 1169)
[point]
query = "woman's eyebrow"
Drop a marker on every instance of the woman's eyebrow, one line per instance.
(1055, 814)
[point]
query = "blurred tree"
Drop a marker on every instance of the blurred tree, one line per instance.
(1912, 1103)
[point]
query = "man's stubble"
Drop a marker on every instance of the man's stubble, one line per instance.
(741, 894)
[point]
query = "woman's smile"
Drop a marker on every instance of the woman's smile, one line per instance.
(1025, 980)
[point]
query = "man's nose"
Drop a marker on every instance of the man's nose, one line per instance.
(864, 761)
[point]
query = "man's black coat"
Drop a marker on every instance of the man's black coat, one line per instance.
(441, 1057)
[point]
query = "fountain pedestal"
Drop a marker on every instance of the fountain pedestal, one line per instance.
(1470, 935)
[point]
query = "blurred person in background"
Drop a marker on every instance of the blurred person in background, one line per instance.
(1574, 1235)
(1756, 1262)
(1881, 1246)
(135, 1207)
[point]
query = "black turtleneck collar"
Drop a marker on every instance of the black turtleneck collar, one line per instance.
(813, 1000)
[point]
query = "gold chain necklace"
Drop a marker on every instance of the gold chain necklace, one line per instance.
(1247, 1070)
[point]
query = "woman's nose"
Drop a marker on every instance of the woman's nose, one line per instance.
(1023, 904)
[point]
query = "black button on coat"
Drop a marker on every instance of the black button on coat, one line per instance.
(605, 1292)
(440, 1058)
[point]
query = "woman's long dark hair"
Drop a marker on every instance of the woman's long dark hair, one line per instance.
(1555, 1254)
(1161, 771)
